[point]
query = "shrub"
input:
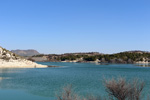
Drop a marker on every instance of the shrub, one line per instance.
(124, 90)
(68, 94)
(90, 58)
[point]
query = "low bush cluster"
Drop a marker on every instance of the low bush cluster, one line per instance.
(116, 89)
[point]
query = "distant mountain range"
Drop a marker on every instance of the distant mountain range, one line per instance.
(29, 52)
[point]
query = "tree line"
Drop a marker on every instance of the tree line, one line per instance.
(125, 57)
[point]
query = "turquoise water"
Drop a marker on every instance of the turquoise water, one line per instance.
(44, 83)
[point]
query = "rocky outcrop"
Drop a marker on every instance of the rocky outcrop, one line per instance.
(11, 60)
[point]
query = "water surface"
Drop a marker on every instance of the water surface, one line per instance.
(44, 83)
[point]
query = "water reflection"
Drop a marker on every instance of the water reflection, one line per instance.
(143, 65)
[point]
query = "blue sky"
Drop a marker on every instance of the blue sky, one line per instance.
(61, 26)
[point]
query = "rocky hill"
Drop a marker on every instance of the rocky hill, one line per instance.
(11, 60)
(29, 52)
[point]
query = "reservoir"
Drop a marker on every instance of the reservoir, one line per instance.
(46, 83)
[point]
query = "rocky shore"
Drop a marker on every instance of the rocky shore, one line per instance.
(11, 60)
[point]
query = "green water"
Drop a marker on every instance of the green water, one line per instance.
(44, 83)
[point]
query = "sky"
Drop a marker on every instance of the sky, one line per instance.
(65, 26)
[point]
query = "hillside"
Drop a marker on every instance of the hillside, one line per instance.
(122, 57)
(11, 60)
(29, 52)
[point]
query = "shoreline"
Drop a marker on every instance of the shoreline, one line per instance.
(96, 62)
(53, 66)
(20, 64)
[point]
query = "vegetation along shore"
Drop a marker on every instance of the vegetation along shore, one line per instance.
(128, 57)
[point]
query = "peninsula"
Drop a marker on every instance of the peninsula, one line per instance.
(11, 60)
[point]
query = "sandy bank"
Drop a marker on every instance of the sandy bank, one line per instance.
(20, 64)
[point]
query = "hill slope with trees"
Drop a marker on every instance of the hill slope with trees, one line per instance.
(122, 57)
